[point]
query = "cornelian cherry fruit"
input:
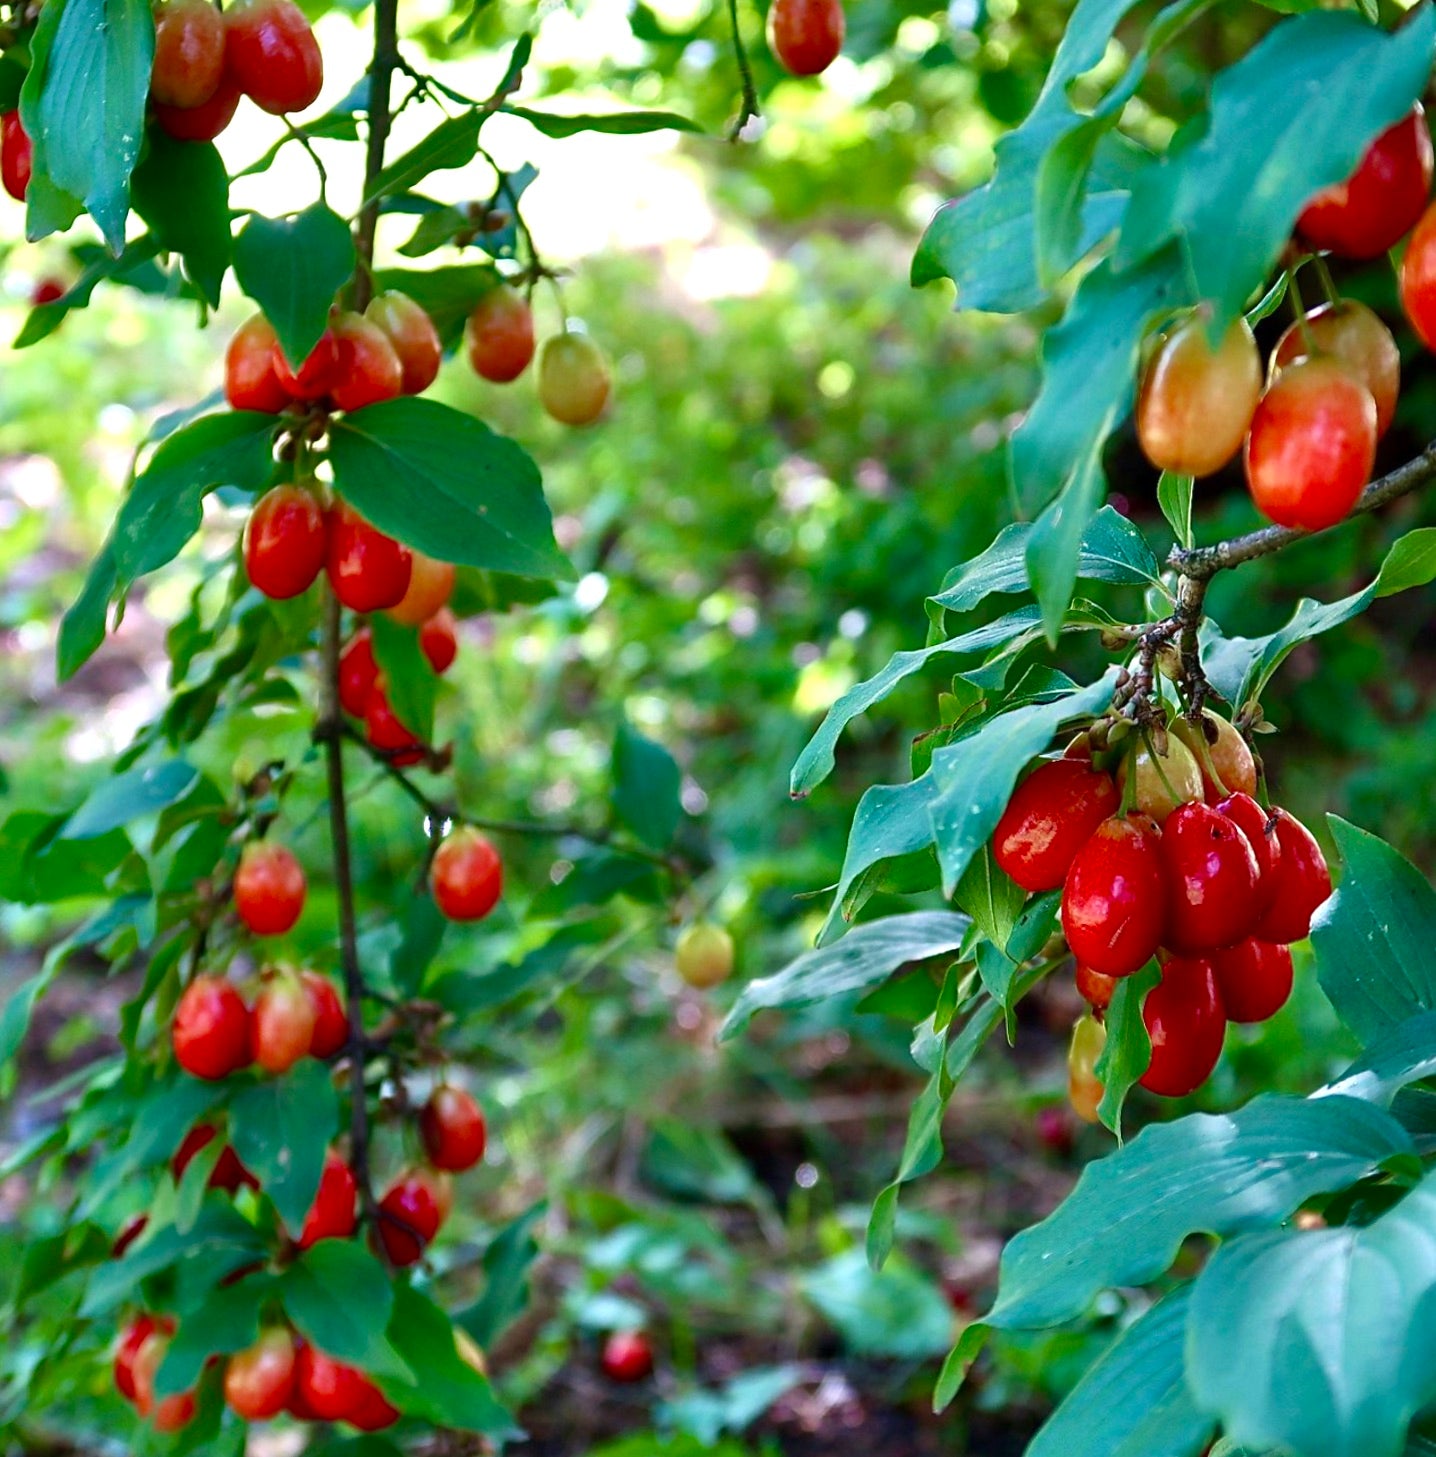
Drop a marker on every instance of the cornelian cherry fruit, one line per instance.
(1303, 882)
(272, 54)
(1164, 779)
(1186, 1024)
(331, 1022)
(1084, 1087)
(132, 1339)
(431, 584)
(169, 1413)
(499, 336)
(202, 123)
(1211, 874)
(281, 1025)
(17, 155)
(1351, 334)
(453, 1129)
(386, 731)
(259, 1382)
(188, 60)
(410, 1214)
(467, 876)
(269, 888)
(332, 1215)
(372, 1412)
(574, 379)
(1260, 830)
(1254, 978)
(368, 369)
(806, 35)
(211, 1029)
(1113, 901)
(228, 1173)
(627, 1356)
(439, 640)
(358, 672)
(367, 569)
(1312, 445)
(1095, 988)
(1380, 202)
(1418, 278)
(412, 333)
(1050, 816)
(285, 542)
(250, 382)
(328, 1388)
(1226, 754)
(1196, 402)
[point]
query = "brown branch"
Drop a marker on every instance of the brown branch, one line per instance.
(385, 61)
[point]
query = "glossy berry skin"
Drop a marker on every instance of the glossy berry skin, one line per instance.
(332, 1215)
(228, 1173)
(1112, 901)
(259, 1382)
(467, 876)
(627, 1356)
(1186, 1024)
(201, 123)
(1164, 781)
(211, 1029)
(703, 956)
(250, 382)
(1303, 882)
(189, 53)
(416, 1213)
(499, 337)
(17, 155)
(452, 1127)
(1358, 340)
(806, 35)
(286, 540)
(331, 1022)
(281, 1025)
(1227, 754)
(132, 1339)
(269, 888)
(358, 672)
(1380, 202)
(367, 570)
(371, 1412)
(573, 380)
(169, 1413)
(1254, 979)
(271, 52)
(368, 371)
(318, 373)
(386, 731)
(431, 584)
(1260, 830)
(1196, 402)
(328, 1388)
(1084, 1088)
(1312, 445)
(412, 333)
(1211, 875)
(439, 641)
(1418, 278)
(1094, 988)
(1050, 816)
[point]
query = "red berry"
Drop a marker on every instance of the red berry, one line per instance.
(410, 1214)
(259, 1382)
(1054, 1130)
(328, 1388)
(332, 1215)
(17, 155)
(271, 52)
(132, 1339)
(438, 640)
(412, 333)
(500, 335)
(1418, 278)
(1050, 816)
(285, 541)
(373, 1412)
(1254, 978)
(385, 731)
(367, 569)
(1227, 755)
(1095, 988)
(47, 291)
(1113, 899)
(189, 53)
(1260, 830)
(431, 584)
(1380, 202)
(211, 1029)
(627, 1356)
(169, 1413)
(250, 382)
(1312, 445)
(452, 1127)
(1186, 1023)
(358, 672)
(467, 876)
(331, 1021)
(228, 1173)
(1303, 882)
(316, 376)
(1360, 343)
(368, 370)
(269, 888)
(201, 123)
(1211, 874)
(806, 35)
(281, 1024)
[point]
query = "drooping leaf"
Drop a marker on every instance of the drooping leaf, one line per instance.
(646, 781)
(181, 189)
(339, 1297)
(921, 1154)
(280, 1128)
(507, 1263)
(1128, 1049)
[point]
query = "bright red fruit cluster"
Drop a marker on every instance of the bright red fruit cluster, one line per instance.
(1196, 873)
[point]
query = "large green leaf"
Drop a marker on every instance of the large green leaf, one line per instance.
(339, 1297)
(138, 792)
(1373, 938)
(1318, 1341)
(181, 189)
(507, 1263)
(1403, 1055)
(453, 143)
(447, 484)
(280, 1128)
(225, 1322)
(1221, 1175)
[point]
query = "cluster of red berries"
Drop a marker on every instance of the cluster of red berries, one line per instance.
(806, 35)
(1310, 435)
(1196, 872)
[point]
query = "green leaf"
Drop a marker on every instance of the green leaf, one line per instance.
(134, 264)
(957, 1364)
(894, 1312)
(1128, 1049)
(1405, 1054)
(82, 628)
(615, 123)
(138, 792)
(1222, 1175)
(411, 683)
(921, 1154)
(1373, 938)
(1133, 1400)
(507, 1263)
(1317, 1341)
(339, 1297)
(1315, 91)
(453, 143)
(991, 897)
(441, 481)
(225, 1322)
(867, 955)
(646, 781)
(292, 268)
(280, 1128)
(83, 107)
(1174, 496)
(181, 190)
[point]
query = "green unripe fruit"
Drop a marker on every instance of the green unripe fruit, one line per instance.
(573, 381)
(704, 955)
